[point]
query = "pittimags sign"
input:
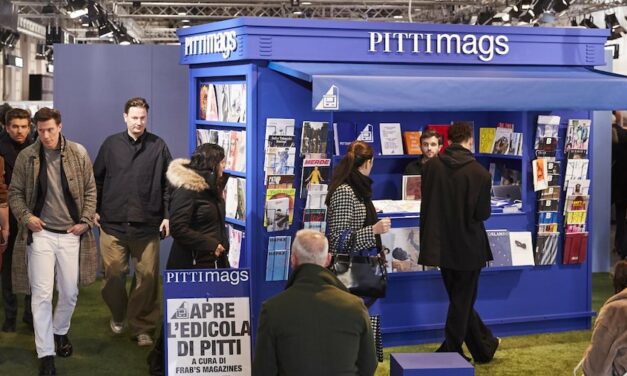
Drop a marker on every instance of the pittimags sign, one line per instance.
(208, 328)
(212, 43)
(484, 46)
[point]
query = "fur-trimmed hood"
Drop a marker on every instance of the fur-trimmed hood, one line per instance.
(179, 175)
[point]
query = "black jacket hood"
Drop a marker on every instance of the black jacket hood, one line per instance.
(456, 156)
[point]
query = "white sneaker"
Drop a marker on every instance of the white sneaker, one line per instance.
(116, 327)
(144, 340)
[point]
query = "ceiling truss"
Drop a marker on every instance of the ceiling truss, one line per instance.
(157, 21)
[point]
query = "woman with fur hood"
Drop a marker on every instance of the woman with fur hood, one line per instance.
(197, 210)
(196, 220)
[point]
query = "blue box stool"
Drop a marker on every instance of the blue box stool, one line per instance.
(429, 364)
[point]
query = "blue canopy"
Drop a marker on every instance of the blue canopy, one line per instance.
(404, 87)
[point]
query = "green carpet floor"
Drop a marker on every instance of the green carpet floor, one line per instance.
(99, 352)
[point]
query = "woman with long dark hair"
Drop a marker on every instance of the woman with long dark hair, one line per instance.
(197, 210)
(196, 220)
(349, 200)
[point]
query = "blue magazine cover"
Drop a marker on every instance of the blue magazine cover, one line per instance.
(499, 244)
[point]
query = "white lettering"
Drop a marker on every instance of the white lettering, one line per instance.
(484, 46)
(224, 43)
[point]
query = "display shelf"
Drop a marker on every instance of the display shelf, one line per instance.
(238, 174)
(498, 156)
(217, 124)
(234, 221)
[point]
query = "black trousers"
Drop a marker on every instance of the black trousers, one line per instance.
(463, 323)
(9, 299)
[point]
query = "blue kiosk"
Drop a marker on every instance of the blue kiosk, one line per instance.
(412, 74)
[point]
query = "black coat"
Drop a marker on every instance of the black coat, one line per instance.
(196, 220)
(455, 202)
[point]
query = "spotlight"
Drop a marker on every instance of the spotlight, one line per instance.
(587, 22)
(48, 9)
(611, 22)
(295, 3)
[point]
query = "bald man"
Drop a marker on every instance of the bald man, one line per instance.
(315, 327)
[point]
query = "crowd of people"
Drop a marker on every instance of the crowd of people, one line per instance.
(135, 194)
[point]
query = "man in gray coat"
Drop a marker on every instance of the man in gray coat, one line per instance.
(53, 196)
(315, 327)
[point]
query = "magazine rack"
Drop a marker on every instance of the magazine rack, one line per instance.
(331, 71)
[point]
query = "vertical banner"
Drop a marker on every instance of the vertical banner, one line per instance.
(207, 322)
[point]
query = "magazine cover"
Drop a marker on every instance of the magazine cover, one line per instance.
(521, 247)
(412, 187)
(502, 139)
(277, 217)
(290, 194)
(499, 244)
(391, 139)
(314, 138)
(404, 247)
(539, 174)
(486, 140)
(546, 248)
(315, 172)
(577, 135)
(212, 103)
(203, 99)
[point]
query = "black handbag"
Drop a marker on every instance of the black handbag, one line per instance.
(361, 271)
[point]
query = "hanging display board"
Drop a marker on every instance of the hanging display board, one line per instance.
(207, 322)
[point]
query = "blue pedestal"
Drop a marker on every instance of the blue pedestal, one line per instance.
(429, 364)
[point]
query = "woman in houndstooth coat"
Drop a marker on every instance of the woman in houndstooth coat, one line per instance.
(349, 201)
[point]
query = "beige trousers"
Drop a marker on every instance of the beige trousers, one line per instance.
(139, 306)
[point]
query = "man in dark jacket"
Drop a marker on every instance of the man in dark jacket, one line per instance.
(430, 145)
(455, 202)
(12, 141)
(315, 327)
(133, 209)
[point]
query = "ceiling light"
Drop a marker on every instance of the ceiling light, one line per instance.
(297, 12)
(397, 17)
(182, 13)
(48, 9)
(306, 3)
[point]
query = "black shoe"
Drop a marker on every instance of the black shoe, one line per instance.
(62, 345)
(46, 366)
(8, 326)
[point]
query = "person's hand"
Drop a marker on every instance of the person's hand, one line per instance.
(4, 242)
(382, 226)
(35, 224)
(97, 219)
(219, 250)
(164, 228)
(78, 229)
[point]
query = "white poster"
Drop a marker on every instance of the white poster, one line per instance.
(209, 336)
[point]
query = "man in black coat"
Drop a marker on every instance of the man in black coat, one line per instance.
(12, 141)
(455, 202)
(315, 327)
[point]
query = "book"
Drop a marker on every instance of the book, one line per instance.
(315, 171)
(314, 139)
(235, 245)
(344, 133)
(365, 132)
(575, 247)
(539, 174)
(280, 181)
(290, 195)
(574, 186)
(576, 169)
(404, 248)
(502, 138)
(521, 248)
(279, 140)
(316, 199)
(277, 217)
(550, 193)
(441, 129)
(547, 205)
(235, 198)
(391, 139)
(280, 161)
(411, 141)
(577, 136)
(546, 248)
(315, 219)
(486, 140)
(412, 187)
(500, 246)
